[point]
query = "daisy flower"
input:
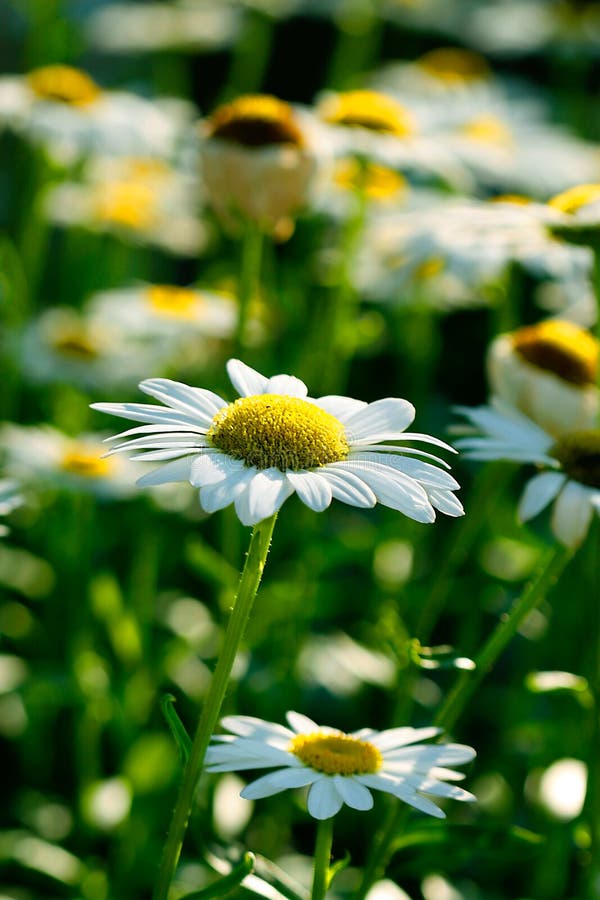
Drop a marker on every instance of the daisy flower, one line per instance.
(549, 372)
(275, 441)
(340, 768)
(570, 476)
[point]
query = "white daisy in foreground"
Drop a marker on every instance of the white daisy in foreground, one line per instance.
(571, 463)
(275, 441)
(340, 768)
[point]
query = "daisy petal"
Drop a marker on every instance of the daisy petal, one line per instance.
(572, 514)
(288, 385)
(340, 407)
(348, 487)
(301, 724)
(314, 490)
(393, 738)
(354, 794)
(323, 799)
(213, 467)
(394, 489)
(245, 726)
(445, 502)
(379, 421)
(197, 402)
(538, 493)
(265, 493)
(177, 470)
(245, 380)
(275, 782)
(217, 496)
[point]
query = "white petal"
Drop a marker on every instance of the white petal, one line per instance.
(314, 490)
(264, 496)
(244, 726)
(217, 496)
(379, 421)
(177, 470)
(288, 385)
(348, 487)
(439, 789)
(213, 467)
(301, 724)
(392, 738)
(394, 489)
(147, 412)
(400, 789)
(445, 502)
(538, 493)
(275, 782)
(354, 794)
(323, 799)
(572, 514)
(245, 380)
(422, 472)
(159, 455)
(340, 407)
(427, 439)
(196, 402)
(433, 755)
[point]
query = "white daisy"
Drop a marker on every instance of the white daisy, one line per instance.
(275, 441)
(340, 768)
(570, 479)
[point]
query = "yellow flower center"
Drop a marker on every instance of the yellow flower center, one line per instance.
(63, 84)
(85, 462)
(336, 754)
(369, 110)
(75, 344)
(560, 347)
(579, 455)
(129, 203)
(287, 433)
(453, 65)
(429, 268)
(515, 199)
(488, 130)
(173, 302)
(256, 120)
(380, 183)
(575, 198)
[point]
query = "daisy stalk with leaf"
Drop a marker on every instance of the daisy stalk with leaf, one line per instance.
(255, 453)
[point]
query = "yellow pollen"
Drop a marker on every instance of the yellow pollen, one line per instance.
(429, 268)
(579, 455)
(336, 754)
(453, 65)
(274, 431)
(256, 120)
(128, 203)
(64, 84)
(74, 343)
(380, 183)
(173, 302)
(488, 130)
(575, 198)
(560, 347)
(85, 463)
(367, 109)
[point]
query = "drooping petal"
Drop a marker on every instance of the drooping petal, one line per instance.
(177, 470)
(572, 514)
(214, 497)
(213, 467)
(348, 487)
(275, 782)
(245, 380)
(445, 502)
(265, 494)
(314, 490)
(323, 799)
(539, 492)
(397, 786)
(394, 489)
(353, 793)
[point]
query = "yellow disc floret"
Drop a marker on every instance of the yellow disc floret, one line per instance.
(173, 302)
(369, 110)
(63, 84)
(86, 463)
(274, 431)
(74, 343)
(255, 120)
(336, 754)
(132, 204)
(560, 347)
(579, 455)
(488, 130)
(453, 65)
(575, 198)
(380, 183)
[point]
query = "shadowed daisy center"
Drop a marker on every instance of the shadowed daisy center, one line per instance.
(559, 347)
(369, 110)
(274, 431)
(85, 463)
(63, 84)
(579, 455)
(171, 301)
(336, 754)
(256, 120)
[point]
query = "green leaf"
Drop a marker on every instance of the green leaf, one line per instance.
(176, 726)
(228, 882)
(338, 867)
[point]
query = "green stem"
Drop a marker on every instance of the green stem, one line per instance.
(251, 258)
(322, 858)
(466, 684)
(248, 586)
(596, 287)
(592, 800)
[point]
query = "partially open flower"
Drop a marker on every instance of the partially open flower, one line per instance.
(549, 372)
(257, 163)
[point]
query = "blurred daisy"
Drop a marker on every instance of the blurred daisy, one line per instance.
(571, 464)
(549, 372)
(144, 200)
(63, 109)
(10, 498)
(64, 345)
(275, 441)
(258, 162)
(340, 768)
(42, 455)
(580, 205)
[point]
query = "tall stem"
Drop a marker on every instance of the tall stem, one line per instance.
(252, 247)
(322, 858)
(548, 573)
(592, 799)
(596, 287)
(246, 592)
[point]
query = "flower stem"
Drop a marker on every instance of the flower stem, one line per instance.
(246, 592)
(596, 287)
(322, 859)
(468, 681)
(251, 253)
(592, 800)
